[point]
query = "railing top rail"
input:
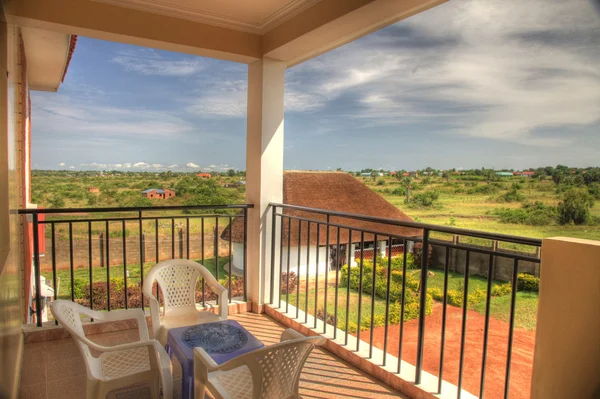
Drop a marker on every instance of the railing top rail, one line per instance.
(132, 209)
(417, 225)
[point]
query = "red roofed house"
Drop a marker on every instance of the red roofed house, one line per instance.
(203, 175)
(528, 174)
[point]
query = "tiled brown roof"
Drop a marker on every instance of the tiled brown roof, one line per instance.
(334, 191)
(72, 44)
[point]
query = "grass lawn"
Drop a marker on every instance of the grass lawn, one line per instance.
(116, 271)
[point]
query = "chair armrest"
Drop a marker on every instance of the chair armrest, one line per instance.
(221, 293)
(204, 360)
(132, 345)
(289, 334)
(127, 314)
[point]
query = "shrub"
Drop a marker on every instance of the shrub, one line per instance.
(426, 200)
(417, 253)
(575, 207)
(436, 293)
(381, 182)
(536, 214)
(501, 290)
(528, 282)
(513, 194)
(456, 297)
(288, 286)
(411, 294)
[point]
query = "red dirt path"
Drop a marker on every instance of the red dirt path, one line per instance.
(522, 357)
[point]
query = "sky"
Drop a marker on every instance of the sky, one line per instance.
(468, 84)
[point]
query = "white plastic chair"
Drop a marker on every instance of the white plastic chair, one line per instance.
(177, 279)
(272, 372)
(120, 365)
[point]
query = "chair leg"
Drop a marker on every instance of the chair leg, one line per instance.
(167, 385)
(91, 389)
(155, 388)
(199, 390)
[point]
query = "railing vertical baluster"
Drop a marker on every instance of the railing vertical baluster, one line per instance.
(37, 270)
(402, 304)
(124, 230)
(350, 257)
(280, 260)
(216, 247)
(444, 316)
(511, 326)
(246, 252)
(387, 300)
(141, 232)
(360, 288)
(327, 265)
(337, 283)
(187, 238)
(156, 253)
(422, 304)
(54, 283)
(273, 227)
(464, 325)
(317, 273)
(71, 265)
(298, 275)
(172, 238)
(156, 242)
(287, 276)
(90, 265)
(374, 282)
(230, 263)
(202, 245)
(107, 265)
(307, 273)
(488, 299)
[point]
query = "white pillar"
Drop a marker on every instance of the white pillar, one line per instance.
(264, 169)
(566, 361)
(382, 245)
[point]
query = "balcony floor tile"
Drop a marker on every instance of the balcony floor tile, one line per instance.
(54, 369)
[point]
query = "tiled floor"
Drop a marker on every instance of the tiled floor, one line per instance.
(54, 369)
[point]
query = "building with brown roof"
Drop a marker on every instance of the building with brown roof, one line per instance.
(203, 175)
(94, 190)
(334, 191)
(158, 193)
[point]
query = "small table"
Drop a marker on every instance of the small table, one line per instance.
(222, 340)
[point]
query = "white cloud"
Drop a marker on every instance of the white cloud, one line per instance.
(149, 62)
(61, 164)
(192, 165)
(141, 165)
(173, 166)
(501, 70)
(221, 99)
(62, 114)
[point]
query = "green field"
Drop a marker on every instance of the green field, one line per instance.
(456, 207)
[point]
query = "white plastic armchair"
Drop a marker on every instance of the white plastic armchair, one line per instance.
(272, 372)
(120, 365)
(177, 279)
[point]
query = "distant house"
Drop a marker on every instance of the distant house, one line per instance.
(235, 184)
(528, 174)
(158, 193)
(392, 173)
(365, 174)
(517, 173)
(333, 191)
(94, 190)
(203, 175)
(504, 174)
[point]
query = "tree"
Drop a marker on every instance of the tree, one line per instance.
(575, 207)
(231, 173)
(407, 184)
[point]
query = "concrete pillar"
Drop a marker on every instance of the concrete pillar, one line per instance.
(382, 245)
(264, 169)
(566, 361)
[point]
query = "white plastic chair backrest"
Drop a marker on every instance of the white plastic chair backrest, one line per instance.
(68, 315)
(177, 279)
(276, 369)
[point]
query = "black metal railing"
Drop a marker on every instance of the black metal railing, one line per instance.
(180, 226)
(453, 253)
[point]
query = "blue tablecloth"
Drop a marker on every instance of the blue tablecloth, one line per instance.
(222, 340)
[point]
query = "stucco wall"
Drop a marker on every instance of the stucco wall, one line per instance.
(11, 341)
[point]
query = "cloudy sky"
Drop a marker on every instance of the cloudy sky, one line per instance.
(504, 84)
